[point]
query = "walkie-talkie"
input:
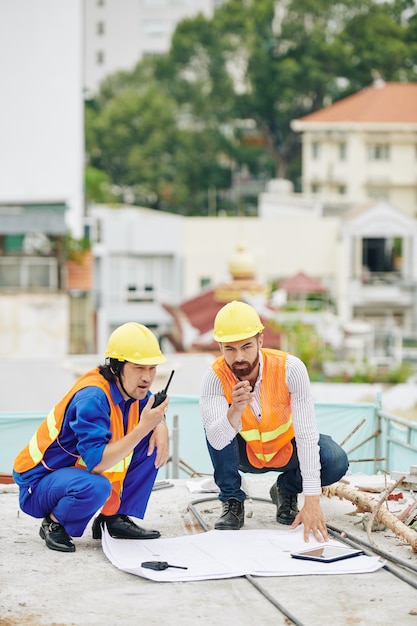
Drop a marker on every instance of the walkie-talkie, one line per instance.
(160, 565)
(161, 395)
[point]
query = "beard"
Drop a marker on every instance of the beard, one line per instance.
(243, 369)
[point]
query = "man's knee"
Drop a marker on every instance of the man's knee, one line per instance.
(334, 460)
(95, 487)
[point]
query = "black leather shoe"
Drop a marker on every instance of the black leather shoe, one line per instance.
(232, 517)
(55, 535)
(286, 503)
(121, 527)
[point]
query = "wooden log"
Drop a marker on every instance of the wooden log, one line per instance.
(367, 503)
(375, 512)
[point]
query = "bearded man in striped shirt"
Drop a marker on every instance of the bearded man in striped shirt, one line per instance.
(258, 416)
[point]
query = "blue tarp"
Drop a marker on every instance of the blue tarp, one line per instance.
(337, 420)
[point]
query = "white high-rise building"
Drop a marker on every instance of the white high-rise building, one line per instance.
(118, 33)
(41, 122)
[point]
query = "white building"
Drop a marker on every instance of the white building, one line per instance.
(145, 258)
(139, 257)
(378, 278)
(363, 147)
(41, 122)
(366, 259)
(118, 33)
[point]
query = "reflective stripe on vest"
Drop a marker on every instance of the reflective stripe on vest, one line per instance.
(119, 468)
(268, 442)
(262, 447)
(46, 433)
(256, 435)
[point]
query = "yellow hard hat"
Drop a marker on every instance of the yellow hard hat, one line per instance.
(135, 343)
(236, 321)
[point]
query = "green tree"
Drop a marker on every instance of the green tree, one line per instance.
(303, 341)
(150, 152)
(288, 59)
(98, 186)
(177, 127)
(379, 45)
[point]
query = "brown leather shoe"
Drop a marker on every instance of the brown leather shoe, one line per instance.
(232, 517)
(121, 527)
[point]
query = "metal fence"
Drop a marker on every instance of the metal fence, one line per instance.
(397, 442)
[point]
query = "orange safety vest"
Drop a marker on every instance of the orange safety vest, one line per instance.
(51, 426)
(268, 442)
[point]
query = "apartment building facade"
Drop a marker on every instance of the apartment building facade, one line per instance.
(361, 148)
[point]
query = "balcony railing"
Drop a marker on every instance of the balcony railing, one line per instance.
(382, 278)
(28, 273)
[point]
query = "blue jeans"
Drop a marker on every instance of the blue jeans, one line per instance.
(228, 462)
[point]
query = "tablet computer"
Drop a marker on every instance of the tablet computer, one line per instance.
(327, 554)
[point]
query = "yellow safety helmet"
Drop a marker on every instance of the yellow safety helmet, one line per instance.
(135, 343)
(236, 321)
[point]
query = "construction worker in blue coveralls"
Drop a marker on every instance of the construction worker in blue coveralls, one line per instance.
(258, 416)
(100, 447)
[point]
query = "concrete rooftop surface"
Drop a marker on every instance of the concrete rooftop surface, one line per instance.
(40, 587)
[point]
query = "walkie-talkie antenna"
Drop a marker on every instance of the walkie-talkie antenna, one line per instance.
(169, 381)
(161, 395)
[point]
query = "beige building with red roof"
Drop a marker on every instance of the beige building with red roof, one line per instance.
(363, 147)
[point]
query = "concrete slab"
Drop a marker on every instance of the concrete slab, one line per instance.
(40, 587)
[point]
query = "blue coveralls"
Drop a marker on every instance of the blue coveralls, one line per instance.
(74, 495)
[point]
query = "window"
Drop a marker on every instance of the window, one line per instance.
(155, 3)
(140, 278)
(381, 255)
(29, 273)
(378, 192)
(157, 28)
(378, 152)
(315, 150)
(100, 57)
(204, 282)
(342, 151)
(315, 188)
(100, 28)
(341, 190)
(12, 244)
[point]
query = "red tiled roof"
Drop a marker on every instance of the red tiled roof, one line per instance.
(388, 102)
(201, 311)
(301, 283)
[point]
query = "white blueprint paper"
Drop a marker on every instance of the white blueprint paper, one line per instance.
(228, 554)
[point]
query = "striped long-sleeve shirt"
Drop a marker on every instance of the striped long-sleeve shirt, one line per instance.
(219, 431)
